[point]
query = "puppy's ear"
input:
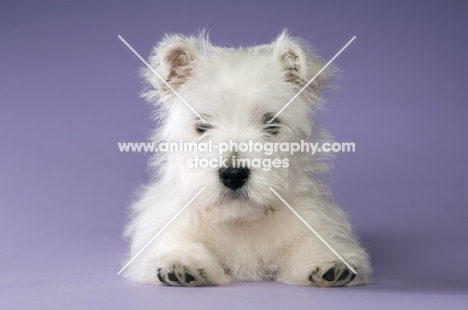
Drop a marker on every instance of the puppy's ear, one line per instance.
(174, 58)
(299, 62)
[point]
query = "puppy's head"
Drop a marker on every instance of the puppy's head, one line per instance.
(236, 93)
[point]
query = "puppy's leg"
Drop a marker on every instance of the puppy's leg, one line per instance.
(310, 263)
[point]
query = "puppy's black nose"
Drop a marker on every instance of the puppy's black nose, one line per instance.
(233, 178)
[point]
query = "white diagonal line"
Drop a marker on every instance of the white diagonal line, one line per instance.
(315, 76)
(159, 232)
(313, 230)
(159, 76)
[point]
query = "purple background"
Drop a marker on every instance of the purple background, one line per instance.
(68, 94)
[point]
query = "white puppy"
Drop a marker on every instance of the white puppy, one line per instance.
(237, 229)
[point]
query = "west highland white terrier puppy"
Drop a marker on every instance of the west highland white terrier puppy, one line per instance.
(238, 229)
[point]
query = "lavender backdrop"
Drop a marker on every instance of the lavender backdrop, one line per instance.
(68, 94)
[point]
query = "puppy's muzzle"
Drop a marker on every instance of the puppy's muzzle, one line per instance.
(234, 178)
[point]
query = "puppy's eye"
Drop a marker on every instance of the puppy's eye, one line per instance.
(202, 127)
(273, 127)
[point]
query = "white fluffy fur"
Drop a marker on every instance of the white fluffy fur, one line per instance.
(216, 239)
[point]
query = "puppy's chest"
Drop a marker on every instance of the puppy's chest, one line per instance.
(244, 246)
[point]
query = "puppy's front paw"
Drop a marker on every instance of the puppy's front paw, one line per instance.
(191, 266)
(332, 274)
(181, 275)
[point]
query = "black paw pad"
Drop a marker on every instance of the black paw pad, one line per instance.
(344, 275)
(329, 275)
(160, 276)
(173, 277)
(188, 277)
